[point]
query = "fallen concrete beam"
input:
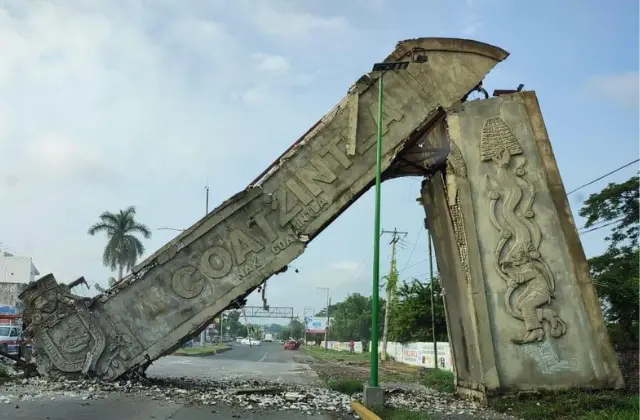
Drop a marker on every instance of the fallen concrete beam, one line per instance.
(178, 290)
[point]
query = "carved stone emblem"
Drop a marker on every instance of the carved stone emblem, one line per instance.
(65, 334)
(529, 279)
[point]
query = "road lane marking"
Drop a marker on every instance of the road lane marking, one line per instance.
(263, 357)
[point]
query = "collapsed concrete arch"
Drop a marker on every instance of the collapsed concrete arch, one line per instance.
(521, 309)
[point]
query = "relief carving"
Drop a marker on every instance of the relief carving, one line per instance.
(65, 334)
(456, 168)
(186, 282)
(547, 359)
(530, 281)
(122, 347)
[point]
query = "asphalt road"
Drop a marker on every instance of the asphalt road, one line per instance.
(130, 408)
(265, 362)
(269, 361)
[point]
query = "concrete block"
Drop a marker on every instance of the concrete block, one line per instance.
(373, 396)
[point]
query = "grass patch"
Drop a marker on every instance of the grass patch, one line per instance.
(402, 414)
(201, 351)
(570, 405)
(439, 379)
(334, 355)
(347, 386)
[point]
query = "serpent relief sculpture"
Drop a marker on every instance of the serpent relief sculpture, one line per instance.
(517, 259)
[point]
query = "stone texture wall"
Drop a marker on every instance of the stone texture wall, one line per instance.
(520, 271)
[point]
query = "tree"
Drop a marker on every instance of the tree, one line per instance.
(123, 247)
(412, 313)
(615, 272)
(616, 204)
(232, 321)
(285, 333)
(112, 281)
(352, 319)
(296, 329)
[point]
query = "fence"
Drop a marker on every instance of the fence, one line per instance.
(415, 354)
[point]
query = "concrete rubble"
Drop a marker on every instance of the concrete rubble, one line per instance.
(245, 395)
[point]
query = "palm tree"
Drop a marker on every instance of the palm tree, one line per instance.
(123, 247)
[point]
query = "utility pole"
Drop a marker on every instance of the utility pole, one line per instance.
(433, 309)
(326, 328)
(221, 319)
(391, 285)
(206, 189)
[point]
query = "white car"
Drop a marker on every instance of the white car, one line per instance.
(250, 342)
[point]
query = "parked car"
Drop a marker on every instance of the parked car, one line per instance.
(291, 345)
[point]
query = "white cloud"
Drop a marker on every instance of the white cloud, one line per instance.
(109, 103)
(271, 63)
(288, 23)
(622, 88)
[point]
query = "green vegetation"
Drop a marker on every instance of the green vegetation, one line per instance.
(615, 273)
(335, 355)
(441, 380)
(402, 414)
(294, 330)
(346, 386)
(570, 405)
(201, 351)
(123, 247)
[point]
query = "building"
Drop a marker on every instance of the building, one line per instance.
(15, 273)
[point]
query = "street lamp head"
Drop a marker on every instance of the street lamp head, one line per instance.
(418, 55)
(391, 66)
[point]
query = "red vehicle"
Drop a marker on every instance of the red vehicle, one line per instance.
(291, 345)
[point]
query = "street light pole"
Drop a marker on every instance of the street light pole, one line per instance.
(377, 398)
(206, 189)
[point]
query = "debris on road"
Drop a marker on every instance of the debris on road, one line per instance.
(249, 395)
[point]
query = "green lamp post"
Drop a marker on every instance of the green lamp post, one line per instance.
(382, 68)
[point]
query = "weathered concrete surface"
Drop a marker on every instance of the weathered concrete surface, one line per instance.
(522, 310)
(182, 287)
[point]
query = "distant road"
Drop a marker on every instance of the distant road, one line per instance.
(269, 362)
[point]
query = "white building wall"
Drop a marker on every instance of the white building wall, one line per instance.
(16, 269)
(15, 273)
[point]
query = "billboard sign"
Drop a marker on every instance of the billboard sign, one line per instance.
(315, 325)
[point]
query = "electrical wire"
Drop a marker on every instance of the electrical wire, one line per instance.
(602, 177)
(593, 229)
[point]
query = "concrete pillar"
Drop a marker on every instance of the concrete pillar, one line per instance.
(522, 310)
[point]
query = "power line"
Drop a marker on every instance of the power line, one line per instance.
(602, 177)
(413, 248)
(583, 231)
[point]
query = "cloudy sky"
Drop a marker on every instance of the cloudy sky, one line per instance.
(110, 103)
